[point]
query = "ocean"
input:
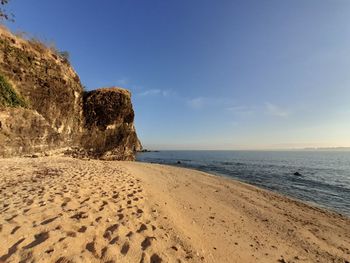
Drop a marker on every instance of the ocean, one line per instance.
(323, 179)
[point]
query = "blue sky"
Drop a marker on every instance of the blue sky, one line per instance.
(211, 74)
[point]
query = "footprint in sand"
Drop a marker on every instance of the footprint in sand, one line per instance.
(130, 234)
(39, 238)
(91, 248)
(11, 250)
(49, 251)
(82, 229)
(114, 240)
(147, 242)
(120, 216)
(109, 231)
(155, 259)
(11, 218)
(63, 260)
(71, 234)
(142, 228)
(139, 212)
(103, 252)
(15, 229)
(79, 215)
(125, 248)
(47, 221)
(85, 200)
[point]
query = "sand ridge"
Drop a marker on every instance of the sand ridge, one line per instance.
(59, 209)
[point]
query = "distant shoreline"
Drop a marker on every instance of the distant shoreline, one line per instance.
(345, 149)
(146, 151)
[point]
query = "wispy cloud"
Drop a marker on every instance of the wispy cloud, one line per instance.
(241, 110)
(221, 104)
(275, 110)
(204, 102)
(122, 82)
(155, 92)
(234, 108)
(197, 103)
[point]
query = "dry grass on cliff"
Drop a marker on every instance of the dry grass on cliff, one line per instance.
(41, 46)
(114, 89)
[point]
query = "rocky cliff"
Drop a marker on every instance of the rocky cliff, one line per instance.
(108, 125)
(43, 106)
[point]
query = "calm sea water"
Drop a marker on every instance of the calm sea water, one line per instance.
(324, 180)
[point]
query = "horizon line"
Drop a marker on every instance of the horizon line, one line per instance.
(339, 148)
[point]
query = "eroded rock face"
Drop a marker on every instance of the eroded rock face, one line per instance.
(46, 81)
(54, 116)
(24, 131)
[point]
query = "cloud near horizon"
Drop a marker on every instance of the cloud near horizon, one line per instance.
(224, 104)
(155, 92)
(196, 103)
(203, 102)
(122, 82)
(241, 110)
(221, 104)
(275, 110)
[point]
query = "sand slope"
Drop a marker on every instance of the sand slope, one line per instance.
(58, 209)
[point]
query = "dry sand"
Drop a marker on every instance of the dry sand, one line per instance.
(58, 209)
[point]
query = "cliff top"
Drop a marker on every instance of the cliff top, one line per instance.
(28, 44)
(112, 89)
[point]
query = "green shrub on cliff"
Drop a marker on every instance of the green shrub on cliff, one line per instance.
(8, 96)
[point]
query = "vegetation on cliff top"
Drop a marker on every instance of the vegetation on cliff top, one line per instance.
(8, 96)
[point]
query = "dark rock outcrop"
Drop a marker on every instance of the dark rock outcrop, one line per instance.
(109, 128)
(54, 112)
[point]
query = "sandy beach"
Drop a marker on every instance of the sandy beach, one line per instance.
(60, 209)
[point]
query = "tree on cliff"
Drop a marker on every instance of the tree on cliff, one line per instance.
(4, 15)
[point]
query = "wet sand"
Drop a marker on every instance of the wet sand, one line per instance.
(59, 209)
